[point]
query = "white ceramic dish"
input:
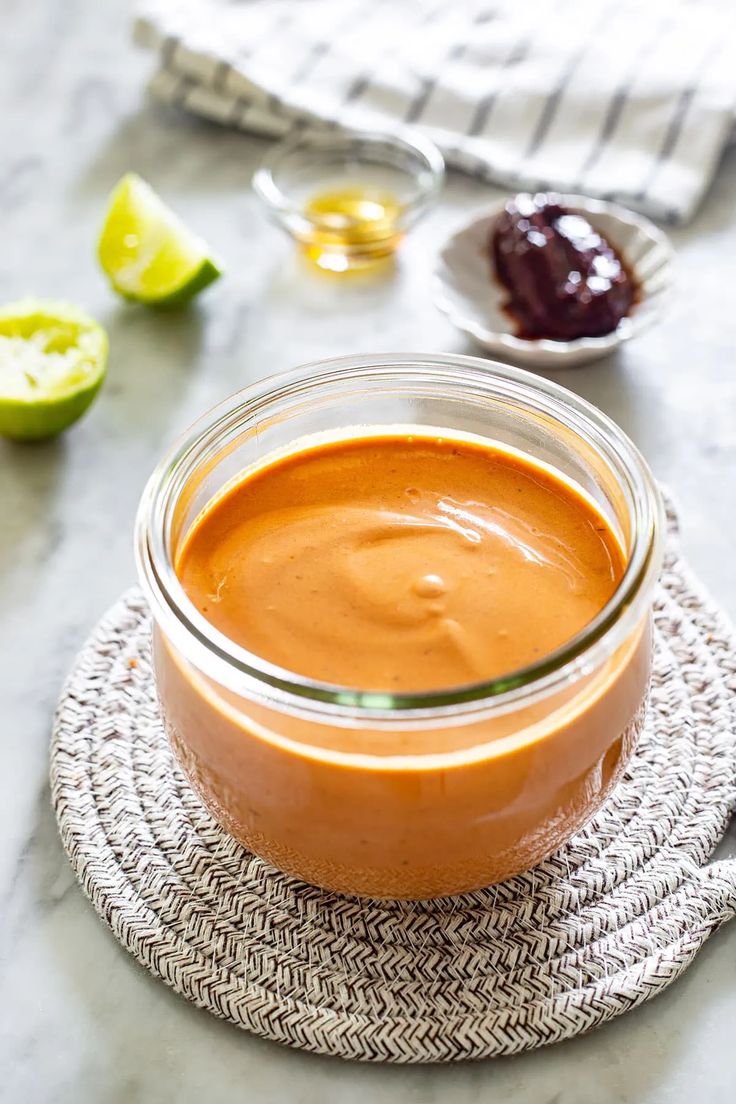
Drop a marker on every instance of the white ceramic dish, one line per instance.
(468, 292)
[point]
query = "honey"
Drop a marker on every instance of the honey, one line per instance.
(351, 227)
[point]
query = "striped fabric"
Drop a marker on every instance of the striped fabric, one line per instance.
(626, 99)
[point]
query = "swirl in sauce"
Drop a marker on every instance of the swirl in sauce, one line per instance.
(400, 563)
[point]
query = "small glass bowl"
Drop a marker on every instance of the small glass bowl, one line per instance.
(348, 197)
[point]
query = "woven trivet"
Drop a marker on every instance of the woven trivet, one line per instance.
(603, 925)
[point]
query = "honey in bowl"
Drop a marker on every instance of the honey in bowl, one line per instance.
(351, 226)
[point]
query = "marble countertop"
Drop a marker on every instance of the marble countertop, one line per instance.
(80, 1021)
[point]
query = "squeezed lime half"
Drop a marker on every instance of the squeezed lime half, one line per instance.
(53, 359)
(147, 253)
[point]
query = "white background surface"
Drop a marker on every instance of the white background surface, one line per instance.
(79, 1020)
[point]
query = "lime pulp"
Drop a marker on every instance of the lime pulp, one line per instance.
(53, 359)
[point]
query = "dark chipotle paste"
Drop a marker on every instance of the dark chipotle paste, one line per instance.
(564, 279)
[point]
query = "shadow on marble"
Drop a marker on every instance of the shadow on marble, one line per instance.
(30, 473)
(294, 279)
(19, 177)
(174, 151)
(154, 357)
(611, 384)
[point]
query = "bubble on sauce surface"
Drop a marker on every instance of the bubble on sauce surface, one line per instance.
(430, 586)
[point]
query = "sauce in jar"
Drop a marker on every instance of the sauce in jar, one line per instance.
(401, 563)
(308, 523)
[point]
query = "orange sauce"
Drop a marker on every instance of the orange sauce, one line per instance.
(393, 564)
(402, 563)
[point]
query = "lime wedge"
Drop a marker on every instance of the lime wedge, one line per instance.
(147, 253)
(53, 359)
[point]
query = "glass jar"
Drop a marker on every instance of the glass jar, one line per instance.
(405, 795)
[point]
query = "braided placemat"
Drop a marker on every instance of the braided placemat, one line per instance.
(606, 923)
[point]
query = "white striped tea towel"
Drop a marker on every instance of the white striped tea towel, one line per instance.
(625, 99)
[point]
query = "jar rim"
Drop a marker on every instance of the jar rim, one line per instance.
(246, 673)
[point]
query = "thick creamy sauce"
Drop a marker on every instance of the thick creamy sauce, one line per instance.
(400, 563)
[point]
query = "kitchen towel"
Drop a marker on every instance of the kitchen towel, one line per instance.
(621, 99)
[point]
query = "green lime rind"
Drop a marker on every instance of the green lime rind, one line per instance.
(147, 253)
(202, 278)
(20, 422)
(53, 360)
